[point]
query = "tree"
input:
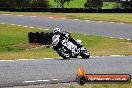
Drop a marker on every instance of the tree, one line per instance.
(40, 3)
(14, 3)
(61, 2)
(126, 4)
(1, 3)
(24, 3)
(93, 4)
(18, 3)
(131, 4)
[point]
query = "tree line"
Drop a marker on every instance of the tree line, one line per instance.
(60, 3)
(99, 3)
(24, 3)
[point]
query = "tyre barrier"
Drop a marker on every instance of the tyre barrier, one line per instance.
(43, 38)
(67, 10)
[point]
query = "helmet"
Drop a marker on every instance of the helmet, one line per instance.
(56, 30)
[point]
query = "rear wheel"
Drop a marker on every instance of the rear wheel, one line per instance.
(63, 53)
(84, 53)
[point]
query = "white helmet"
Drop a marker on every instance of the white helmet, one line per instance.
(56, 30)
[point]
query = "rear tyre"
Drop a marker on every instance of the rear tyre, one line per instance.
(85, 54)
(63, 53)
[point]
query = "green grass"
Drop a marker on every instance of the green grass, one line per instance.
(103, 86)
(29, 54)
(14, 38)
(114, 17)
(99, 45)
(14, 42)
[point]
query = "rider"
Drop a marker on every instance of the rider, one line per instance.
(66, 35)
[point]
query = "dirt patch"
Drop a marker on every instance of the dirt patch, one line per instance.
(129, 45)
(32, 46)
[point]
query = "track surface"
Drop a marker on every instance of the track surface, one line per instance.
(88, 27)
(14, 73)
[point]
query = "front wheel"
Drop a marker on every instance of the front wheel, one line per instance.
(84, 53)
(63, 53)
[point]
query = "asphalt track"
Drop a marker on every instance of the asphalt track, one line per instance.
(88, 27)
(27, 72)
(30, 72)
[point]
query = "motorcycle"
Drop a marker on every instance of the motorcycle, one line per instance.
(66, 49)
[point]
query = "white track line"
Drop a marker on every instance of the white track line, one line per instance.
(100, 21)
(31, 27)
(56, 79)
(27, 59)
(2, 23)
(112, 22)
(6, 14)
(111, 37)
(33, 16)
(116, 55)
(128, 39)
(6, 60)
(19, 25)
(122, 23)
(121, 38)
(42, 80)
(47, 58)
(13, 24)
(29, 81)
(45, 29)
(20, 15)
(24, 59)
(51, 17)
(87, 20)
(40, 28)
(25, 26)
(75, 19)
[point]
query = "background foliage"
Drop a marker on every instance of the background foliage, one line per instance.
(105, 4)
(24, 3)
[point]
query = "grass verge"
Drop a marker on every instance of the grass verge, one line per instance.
(14, 42)
(109, 17)
(129, 85)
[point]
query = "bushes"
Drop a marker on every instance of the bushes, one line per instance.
(126, 4)
(93, 4)
(24, 3)
(39, 3)
(61, 2)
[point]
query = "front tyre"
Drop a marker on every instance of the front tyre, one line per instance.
(63, 53)
(84, 53)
